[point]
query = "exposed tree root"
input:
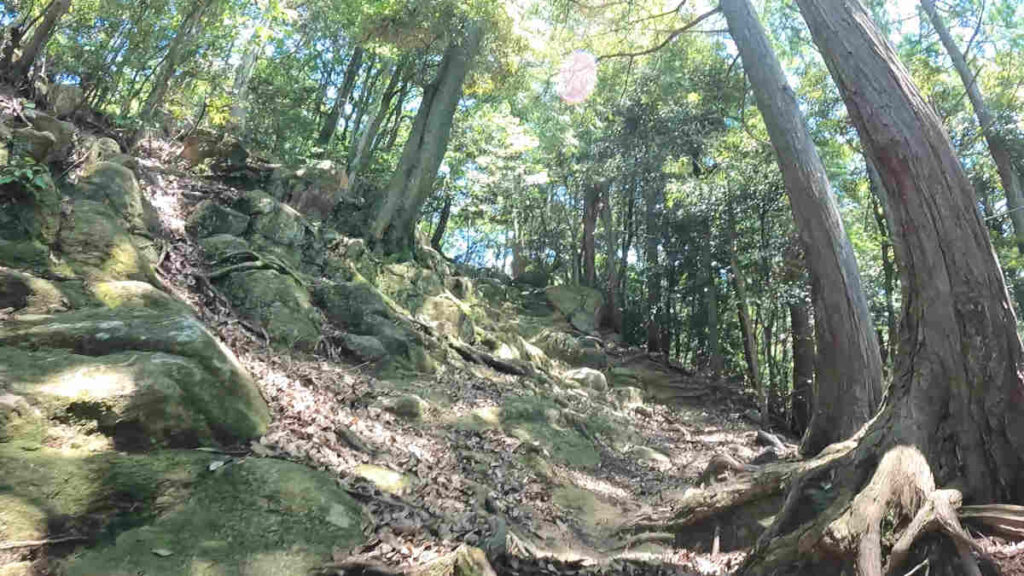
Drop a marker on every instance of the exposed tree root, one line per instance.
(480, 357)
(899, 504)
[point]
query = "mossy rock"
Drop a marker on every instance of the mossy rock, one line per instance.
(144, 376)
(30, 254)
(639, 377)
(313, 190)
(351, 305)
(278, 303)
(98, 247)
(27, 294)
(538, 420)
(115, 186)
(448, 317)
(210, 218)
(30, 210)
(34, 144)
(566, 347)
(221, 247)
(134, 294)
(408, 407)
(593, 514)
(385, 479)
(282, 225)
(256, 517)
(580, 305)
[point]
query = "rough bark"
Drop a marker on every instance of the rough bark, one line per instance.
(396, 215)
(40, 36)
(954, 414)
(998, 147)
(847, 365)
(348, 82)
(803, 365)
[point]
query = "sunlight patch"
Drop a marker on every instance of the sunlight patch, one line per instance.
(578, 77)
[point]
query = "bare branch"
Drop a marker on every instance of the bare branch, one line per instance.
(675, 34)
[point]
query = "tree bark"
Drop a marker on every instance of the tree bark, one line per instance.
(848, 366)
(592, 207)
(997, 145)
(348, 82)
(954, 414)
(803, 365)
(190, 28)
(395, 219)
(40, 36)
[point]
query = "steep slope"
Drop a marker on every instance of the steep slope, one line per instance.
(455, 407)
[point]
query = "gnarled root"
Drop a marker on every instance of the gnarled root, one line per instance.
(901, 496)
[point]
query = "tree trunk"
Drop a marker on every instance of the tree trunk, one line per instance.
(40, 36)
(592, 207)
(803, 365)
(715, 361)
(743, 311)
(611, 315)
(363, 149)
(190, 28)
(848, 367)
(653, 205)
(395, 219)
(997, 145)
(239, 112)
(437, 238)
(954, 414)
(348, 82)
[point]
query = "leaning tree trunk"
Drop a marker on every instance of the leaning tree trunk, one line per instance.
(40, 36)
(395, 219)
(954, 414)
(848, 366)
(998, 147)
(348, 82)
(364, 147)
(187, 32)
(437, 238)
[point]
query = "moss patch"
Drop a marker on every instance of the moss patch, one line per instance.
(535, 419)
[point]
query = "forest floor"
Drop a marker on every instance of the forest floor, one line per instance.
(456, 474)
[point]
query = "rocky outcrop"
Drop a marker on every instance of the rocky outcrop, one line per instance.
(578, 304)
(313, 190)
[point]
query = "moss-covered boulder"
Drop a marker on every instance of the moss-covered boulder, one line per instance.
(447, 316)
(368, 348)
(97, 246)
(351, 305)
(29, 207)
(313, 190)
(144, 377)
(115, 186)
(222, 247)
(63, 133)
(31, 143)
(254, 517)
(579, 305)
(278, 303)
(540, 422)
(26, 294)
(568, 348)
(210, 218)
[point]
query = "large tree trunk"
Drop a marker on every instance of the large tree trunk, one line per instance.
(997, 145)
(348, 82)
(611, 314)
(954, 415)
(848, 366)
(395, 219)
(40, 36)
(592, 207)
(190, 28)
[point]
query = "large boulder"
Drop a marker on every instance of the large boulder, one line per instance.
(278, 303)
(64, 99)
(23, 293)
(63, 133)
(352, 305)
(142, 375)
(579, 305)
(115, 186)
(30, 208)
(313, 190)
(32, 143)
(589, 378)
